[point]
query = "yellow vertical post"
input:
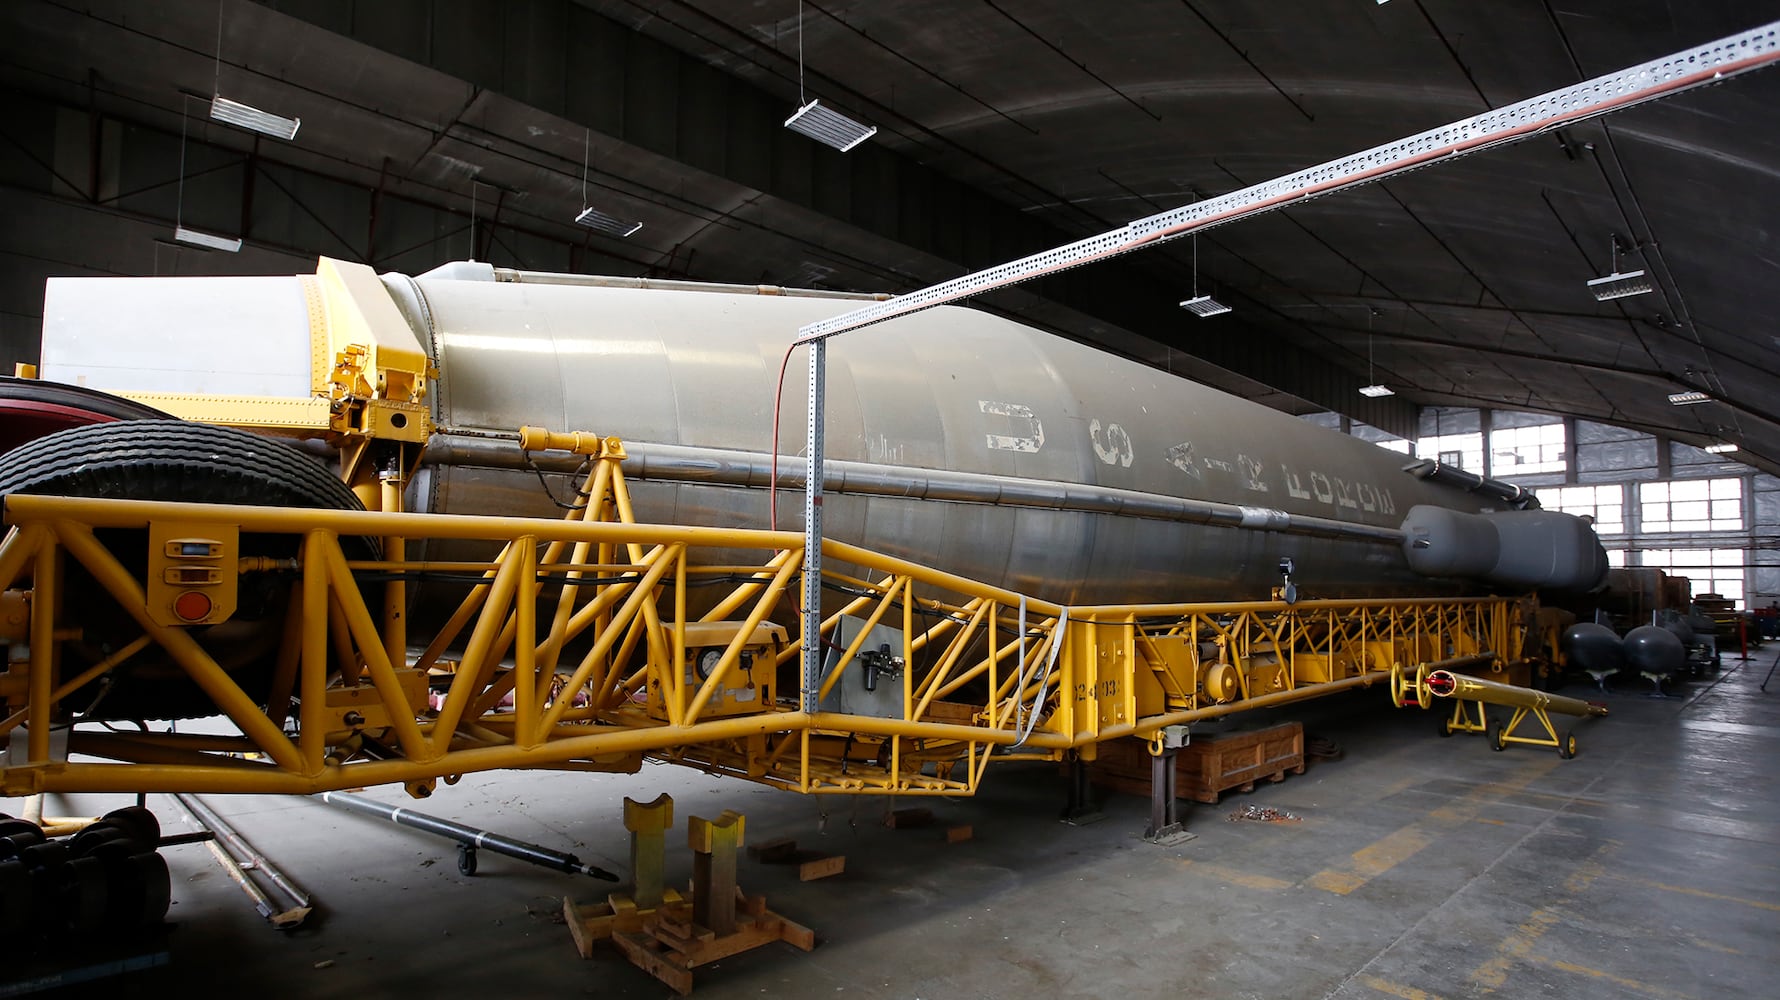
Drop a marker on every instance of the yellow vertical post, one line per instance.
(714, 844)
(526, 731)
(648, 824)
(395, 592)
(312, 682)
(45, 587)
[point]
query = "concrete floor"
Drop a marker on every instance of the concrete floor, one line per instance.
(1423, 867)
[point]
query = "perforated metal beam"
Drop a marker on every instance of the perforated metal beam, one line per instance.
(1658, 78)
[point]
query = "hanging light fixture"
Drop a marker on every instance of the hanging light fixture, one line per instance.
(1720, 448)
(1688, 398)
(1619, 285)
(194, 237)
(245, 115)
(825, 125)
(1202, 305)
(593, 218)
(1375, 389)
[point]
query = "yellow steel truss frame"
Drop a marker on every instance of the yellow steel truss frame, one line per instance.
(570, 654)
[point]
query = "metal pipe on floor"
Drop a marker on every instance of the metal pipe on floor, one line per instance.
(241, 855)
(469, 838)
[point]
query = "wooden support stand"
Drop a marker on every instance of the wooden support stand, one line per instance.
(677, 934)
(1209, 765)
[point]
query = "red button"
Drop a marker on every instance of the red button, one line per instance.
(192, 606)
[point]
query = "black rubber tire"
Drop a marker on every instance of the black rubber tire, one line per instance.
(1495, 737)
(172, 460)
(30, 408)
(179, 461)
(466, 860)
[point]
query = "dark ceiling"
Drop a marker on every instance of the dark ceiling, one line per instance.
(1005, 127)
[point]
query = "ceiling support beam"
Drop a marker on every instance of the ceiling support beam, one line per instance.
(624, 85)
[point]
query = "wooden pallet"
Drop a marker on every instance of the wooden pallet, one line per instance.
(1209, 765)
(669, 945)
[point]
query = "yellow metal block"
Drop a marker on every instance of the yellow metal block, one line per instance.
(1177, 671)
(390, 421)
(360, 314)
(706, 836)
(1317, 668)
(367, 708)
(1108, 687)
(1266, 675)
(15, 616)
(265, 413)
(1376, 654)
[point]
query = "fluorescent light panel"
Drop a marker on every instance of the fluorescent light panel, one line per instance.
(1619, 285)
(253, 119)
(207, 240)
(1688, 398)
(600, 222)
(1376, 391)
(1721, 448)
(829, 127)
(1204, 305)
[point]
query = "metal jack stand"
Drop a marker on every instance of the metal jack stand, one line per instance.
(1079, 809)
(1165, 826)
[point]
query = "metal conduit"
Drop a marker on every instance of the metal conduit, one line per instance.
(731, 467)
(612, 281)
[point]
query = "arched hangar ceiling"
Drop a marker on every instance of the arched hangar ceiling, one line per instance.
(1005, 127)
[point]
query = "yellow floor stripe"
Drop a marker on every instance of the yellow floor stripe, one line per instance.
(1703, 894)
(1517, 947)
(1398, 990)
(1394, 848)
(1238, 877)
(1519, 944)
(1714, 946)
(1636, 985)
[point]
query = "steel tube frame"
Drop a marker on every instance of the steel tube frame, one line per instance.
(1054, 698)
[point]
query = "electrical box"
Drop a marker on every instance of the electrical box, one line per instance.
(192, 573)
(747, 684)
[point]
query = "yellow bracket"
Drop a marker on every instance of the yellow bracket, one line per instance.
(369, 364)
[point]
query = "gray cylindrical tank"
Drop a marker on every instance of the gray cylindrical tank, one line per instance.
(950, 388)
(1652, 649)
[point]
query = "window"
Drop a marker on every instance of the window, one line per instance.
(1522, 451)
(1606, 504)
(1397, 445)
(1691, 505)
(1708, 571)
(1464, 451)
(1616, 558)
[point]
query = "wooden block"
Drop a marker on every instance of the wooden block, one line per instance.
(773, 851)
(587, 924)
(643, 954)
(906, 819)
(821, 868)
(794, 934)
(957, 834)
